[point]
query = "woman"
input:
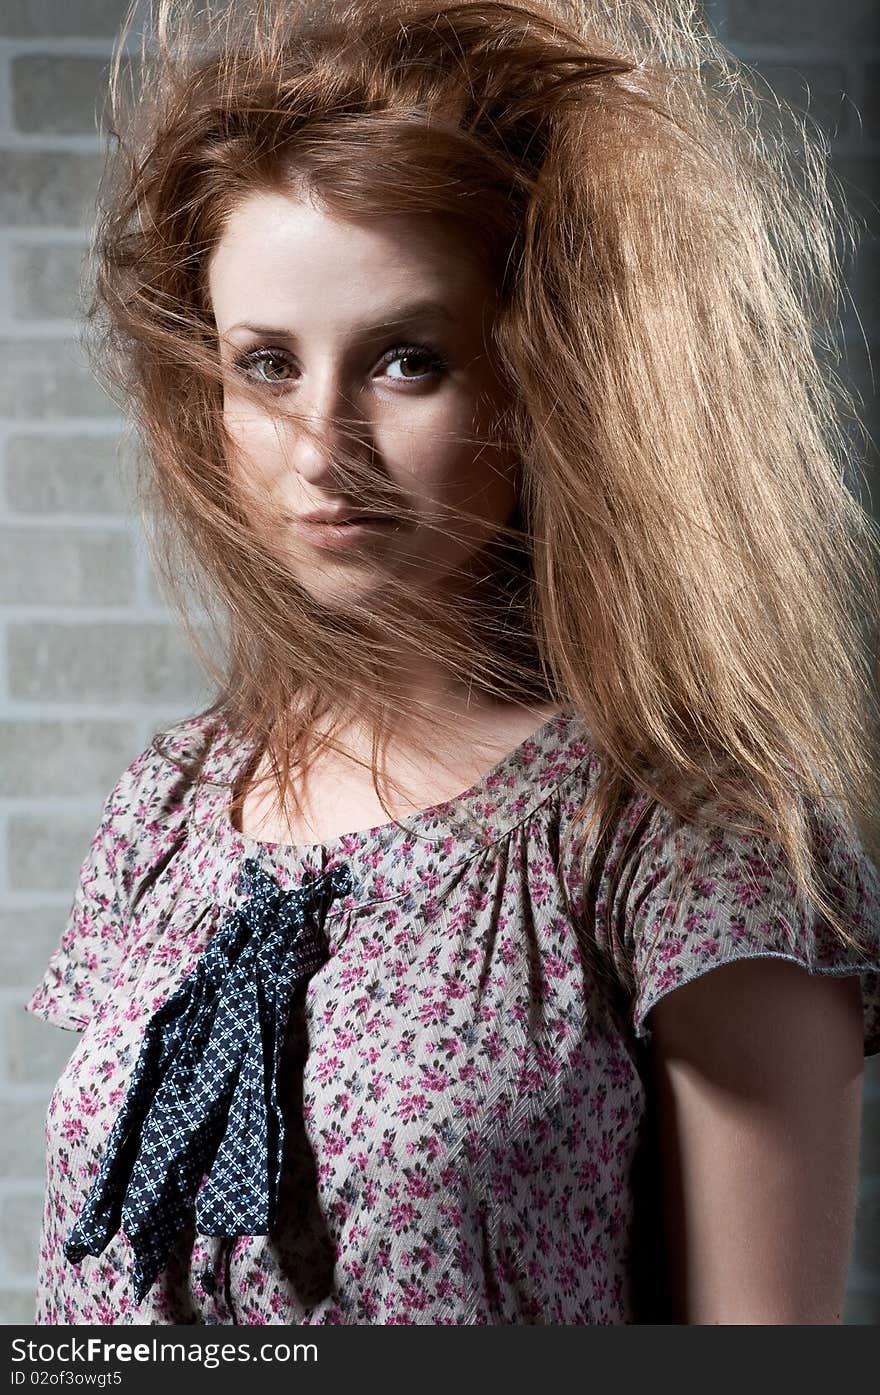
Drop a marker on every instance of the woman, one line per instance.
(431, 1037)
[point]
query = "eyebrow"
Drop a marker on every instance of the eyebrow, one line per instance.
(402, 315)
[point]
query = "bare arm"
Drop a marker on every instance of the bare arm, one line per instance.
(759, 1069)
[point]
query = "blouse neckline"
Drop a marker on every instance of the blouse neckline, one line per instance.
(380, 857)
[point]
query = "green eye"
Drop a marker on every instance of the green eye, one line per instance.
(261, 357)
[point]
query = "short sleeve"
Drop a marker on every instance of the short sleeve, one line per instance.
(740, 902)
(80, 970)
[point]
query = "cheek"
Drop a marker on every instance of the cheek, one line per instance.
(255, 445)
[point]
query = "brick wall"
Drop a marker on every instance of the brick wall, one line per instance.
(89, 664)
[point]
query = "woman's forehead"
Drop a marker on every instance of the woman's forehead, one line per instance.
(283, 253)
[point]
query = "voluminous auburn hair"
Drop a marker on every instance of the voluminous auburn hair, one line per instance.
(688, 565)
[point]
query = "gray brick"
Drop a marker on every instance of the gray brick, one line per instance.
(52, 187)
(156, 597)
(48, 378)
(73, 474)
(80, 758)
(819, 89)
(27, 938)
(18, 1307)
(65, 566)
(802, 22)
(59, 95)
(61, 18)
(22, 1138)
(20, 1219)
(36, 1052)
(862, 1309)
(102, 662)
(46, 851)
(46, 280)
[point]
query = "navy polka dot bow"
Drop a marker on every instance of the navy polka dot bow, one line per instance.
(203, 1099)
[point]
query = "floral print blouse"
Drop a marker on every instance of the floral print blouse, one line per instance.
(470, 1133)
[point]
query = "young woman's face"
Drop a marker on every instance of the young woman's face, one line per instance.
(375, 333)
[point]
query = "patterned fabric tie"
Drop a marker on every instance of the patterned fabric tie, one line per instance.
(203, 1098)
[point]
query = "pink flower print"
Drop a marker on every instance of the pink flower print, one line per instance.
(668, 977)
(453, 1214)
(353, 973)
(418, 1184)
(708, 947)
(328, 1069)
(434, 1078)
(670, 947)
(386, 1149)
(415, 1295)
(377, 1089)
(455, 988)
(411, 1107)
(401, 1215)
(555, 966)
(529, 1080)
(748, 893)
(509, 953)
(74, 1130)
(368, 1306)
(334, 1141)
(433, 1146)
(434, 1013)
(705, 887)
(166, 953)
(503, 1189)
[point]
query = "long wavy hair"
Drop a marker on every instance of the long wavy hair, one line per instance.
(688, 565)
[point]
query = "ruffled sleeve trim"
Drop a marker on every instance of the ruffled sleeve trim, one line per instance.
(142, 821)
(741, 903)
(80, 971)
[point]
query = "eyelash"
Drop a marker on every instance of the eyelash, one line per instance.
(437, 364)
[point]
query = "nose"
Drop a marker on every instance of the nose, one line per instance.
(328, 431)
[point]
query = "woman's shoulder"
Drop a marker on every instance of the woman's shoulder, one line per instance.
(142, 830)
(677, 900)
(148, 809)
